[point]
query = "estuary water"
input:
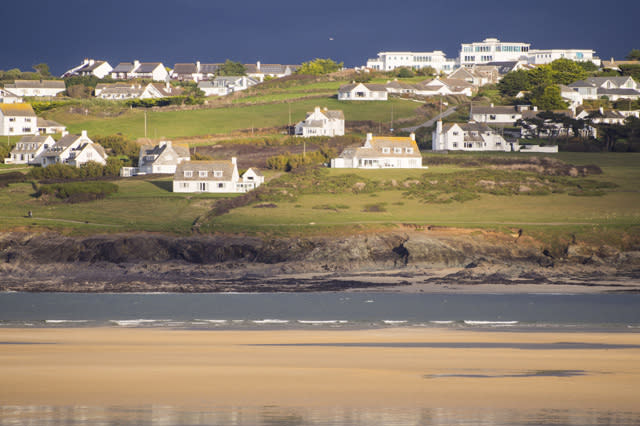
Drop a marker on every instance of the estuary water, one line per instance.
(607, 312)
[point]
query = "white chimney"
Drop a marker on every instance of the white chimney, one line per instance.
(317, 109)
(601, 110)
(369, 137)
(198, 66)
(234, 161)
(258, 65)
(412, 136)
(84, 133)
(65, 133)
(136, 64)
(535, 108)
(491, 104)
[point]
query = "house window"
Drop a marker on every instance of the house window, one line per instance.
(202, 186)
(386, 150)
(217, 173)
(185, 185)
(492, 117)
(455, 144)
(188, 173)
(409, 150)
(26, 129)
(203, 173)
(12, 119)
(397, 150)
(359, 94)
(455, 133)
(27, 120)
(221, 185)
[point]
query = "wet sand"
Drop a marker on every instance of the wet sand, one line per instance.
(391, 368)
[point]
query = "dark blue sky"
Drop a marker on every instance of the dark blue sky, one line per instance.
(293, 31)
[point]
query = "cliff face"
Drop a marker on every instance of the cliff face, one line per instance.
(143, 262)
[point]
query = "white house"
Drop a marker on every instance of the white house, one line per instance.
(17, 119)
(399, 87)
(545, 56)
(381, 152)
(470, 136)
(214, 177)
(146, 70)
(90, 67)
(8, 97)
(387, 61)
(36, 87)
(321, 122)
(498, 115)
(224, 85)
(613, 88)
(119, 91)
(49, 127)
(444, 86)
(478, 75)
(162, 158)
(259, 71)
(29, 149)
(74, 150)
(362, 92)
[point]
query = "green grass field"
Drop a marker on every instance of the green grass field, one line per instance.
(176, 124)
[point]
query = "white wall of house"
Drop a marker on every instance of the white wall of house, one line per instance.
(88, 153)
(387, 61)
(318, 124)
(11, 125)
(545, 56)
(362, 93)
(453, 139)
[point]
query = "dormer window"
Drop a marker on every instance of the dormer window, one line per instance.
(203, 173)
(397, 150)
(409, 150)
(217, 173)
(386, 150)
(188, 173)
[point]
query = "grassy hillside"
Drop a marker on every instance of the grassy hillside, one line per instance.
(355, 200)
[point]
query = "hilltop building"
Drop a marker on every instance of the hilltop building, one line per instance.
(17, 119)
(388, 61)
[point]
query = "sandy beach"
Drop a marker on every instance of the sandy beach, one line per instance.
(392, 368)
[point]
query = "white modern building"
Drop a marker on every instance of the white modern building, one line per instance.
(321, 122)
(545, 56)
(492, 50)
(381, 152)
(388, 61)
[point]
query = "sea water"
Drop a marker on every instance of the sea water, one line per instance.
(498, 312)
(610, 312)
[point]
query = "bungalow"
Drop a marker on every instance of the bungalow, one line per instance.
(8, 97)
(151, 71)
(74, 150)
(222, 86)
(162, 158)
(321, 122)
(478, 75)
(36, 87)
(469, 136)
(362, 92)
(90, 67)
(214, 177)
(604, 116)
(381, 152)
(259, 71)
(49, 127)
(28, 149)
(124, 70)
(398, 87)
(119, 91)
(444, 86)
(17, 119)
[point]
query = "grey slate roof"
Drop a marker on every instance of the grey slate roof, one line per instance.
(619, 92)
(123, 67)
(504, 67)
(209, 68)
(37, 84)
(483, 109)
(226, 166)
(185, 68)
(29, 144)
(147, 67)
(371, 87)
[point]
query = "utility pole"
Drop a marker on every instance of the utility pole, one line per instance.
(391, 128)
(145, 123)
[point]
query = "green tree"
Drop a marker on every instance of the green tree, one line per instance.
(232, 68)
(566, 71)
(319, 67)
(404, 72)
(514, 82)
(42, 69)
(633, 55)
(548, 98)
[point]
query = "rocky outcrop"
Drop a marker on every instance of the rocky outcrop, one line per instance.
(150, 262)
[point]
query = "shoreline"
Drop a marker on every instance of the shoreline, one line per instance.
(393, 368)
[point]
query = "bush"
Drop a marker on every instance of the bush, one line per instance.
(11, 177)
(75, 192)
